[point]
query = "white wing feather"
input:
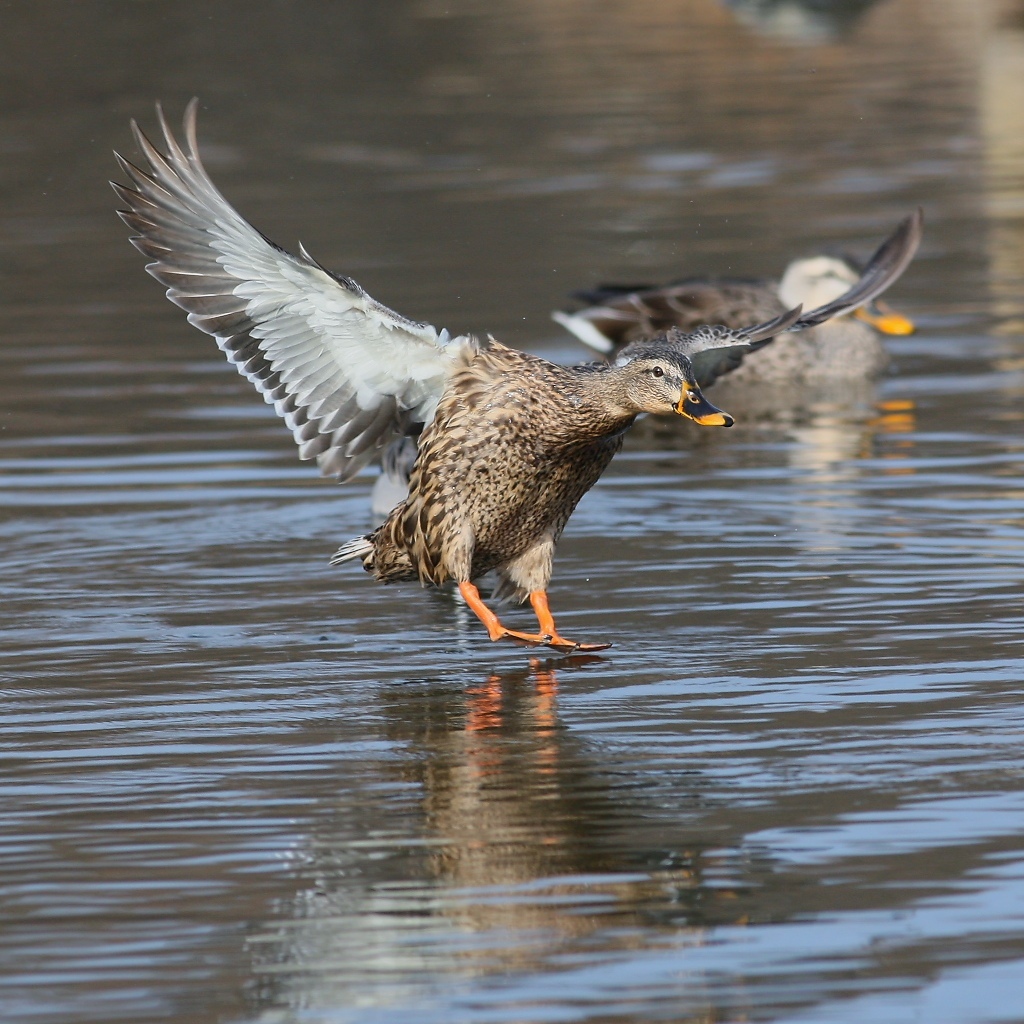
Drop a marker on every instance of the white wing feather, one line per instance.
(346, 373)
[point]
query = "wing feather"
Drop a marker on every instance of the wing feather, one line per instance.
(715, 350)
(344, 372)
(624, 318)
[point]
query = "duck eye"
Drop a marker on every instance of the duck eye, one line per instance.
(658, 371)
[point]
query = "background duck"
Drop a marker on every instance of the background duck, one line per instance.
(842, 347)
(834, 288)
(508, 442)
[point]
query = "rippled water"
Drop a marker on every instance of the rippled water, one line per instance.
(240, 785)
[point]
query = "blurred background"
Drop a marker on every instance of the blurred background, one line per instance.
(528, 151)
(240, 785)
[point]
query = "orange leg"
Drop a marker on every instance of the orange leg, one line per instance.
(495, 629)
(539, 601)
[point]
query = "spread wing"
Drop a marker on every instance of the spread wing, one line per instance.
(619, 314)
(714, 351)
(625, 314)
(346, 373)
(891, 258)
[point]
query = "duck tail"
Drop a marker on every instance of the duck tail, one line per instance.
(358, 547)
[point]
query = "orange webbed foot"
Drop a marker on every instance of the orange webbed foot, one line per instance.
(548, 635)
(524, 639)
(495, 630)
(563, 646)
(539, 601)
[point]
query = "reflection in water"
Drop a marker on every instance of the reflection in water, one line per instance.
(896, 422)
(814, 718)
(828, 458)
(830, 439)
(805, 21)
(825, 428)
(531, 847)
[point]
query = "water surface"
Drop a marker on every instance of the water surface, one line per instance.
(242, 786)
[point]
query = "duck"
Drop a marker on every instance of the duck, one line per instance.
(819, 346)
(841, 348)
(507, 442)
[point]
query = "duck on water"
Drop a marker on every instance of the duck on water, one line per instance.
(843, 348)
(508, 442)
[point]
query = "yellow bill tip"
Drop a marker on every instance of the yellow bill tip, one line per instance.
(715, 419)
(895, 324)
(703, 413)
(887, 321)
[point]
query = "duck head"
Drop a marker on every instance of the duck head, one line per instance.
(819, 280)
(658, 380)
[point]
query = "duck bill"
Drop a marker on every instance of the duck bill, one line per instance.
(694, 406)
(884, 318)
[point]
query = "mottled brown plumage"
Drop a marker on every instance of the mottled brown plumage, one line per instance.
(508, 442)
(514, 445)
(845, 345)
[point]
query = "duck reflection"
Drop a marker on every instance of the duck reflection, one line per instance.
(528, 845)
(512, 791)
(802, 21)
(819, 443)
(818, 427)
(534, 833)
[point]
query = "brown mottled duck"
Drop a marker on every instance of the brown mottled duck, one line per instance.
(841, 348)
(508, 442)
(825, 344)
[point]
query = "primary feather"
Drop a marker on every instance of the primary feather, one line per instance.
(344, 372)
(831, 347)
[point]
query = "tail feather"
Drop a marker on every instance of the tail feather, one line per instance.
(384, 557)
(358, 547)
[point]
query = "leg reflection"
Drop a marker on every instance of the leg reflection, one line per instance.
(492, 838)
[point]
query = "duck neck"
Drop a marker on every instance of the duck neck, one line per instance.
(601, 405)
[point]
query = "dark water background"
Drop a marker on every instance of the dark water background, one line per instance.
(240, 786)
